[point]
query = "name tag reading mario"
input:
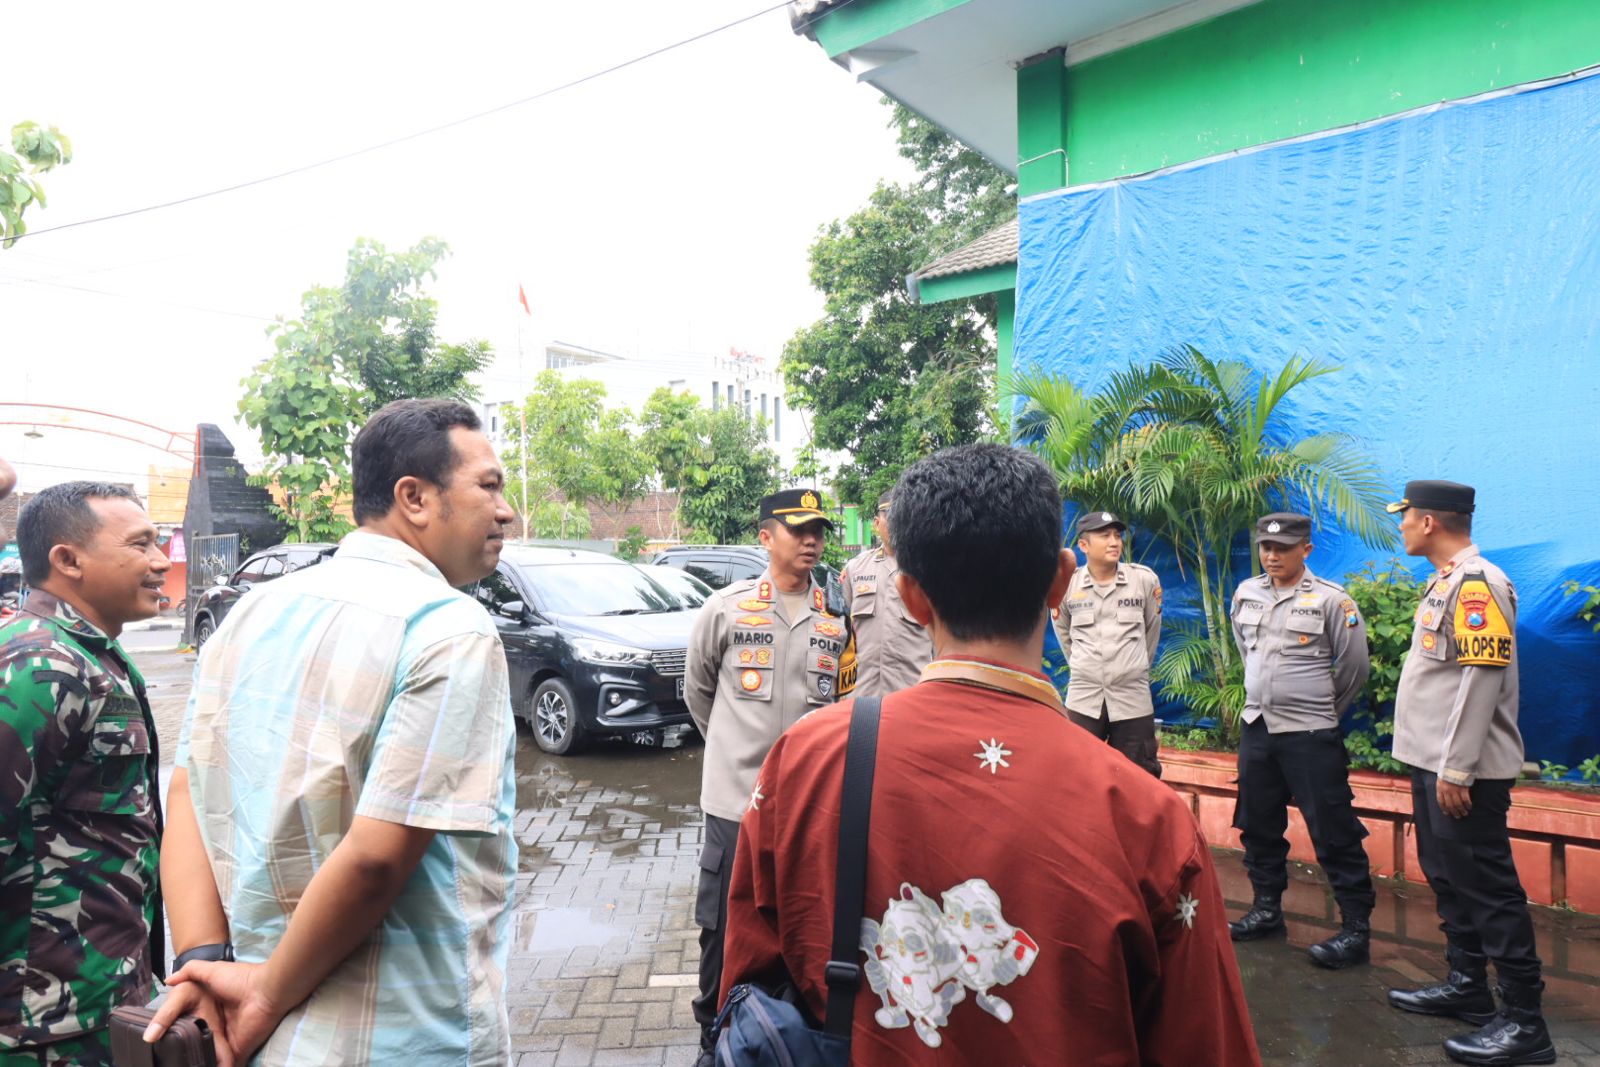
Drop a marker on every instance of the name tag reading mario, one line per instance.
(1483, 637)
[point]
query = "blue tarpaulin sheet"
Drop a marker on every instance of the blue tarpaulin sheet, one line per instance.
(1449, 261)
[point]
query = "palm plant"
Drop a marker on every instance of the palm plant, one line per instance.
(1192, 450)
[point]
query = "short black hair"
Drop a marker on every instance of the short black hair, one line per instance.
(1456, 522)
(979, 528)
(61, 515)
(405, 439)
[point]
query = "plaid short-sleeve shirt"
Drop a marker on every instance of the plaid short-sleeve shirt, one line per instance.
(364, 686)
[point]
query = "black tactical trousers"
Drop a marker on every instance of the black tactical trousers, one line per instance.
(711, 913)
(1474, 881)
(1134, 738)
(1311, 769)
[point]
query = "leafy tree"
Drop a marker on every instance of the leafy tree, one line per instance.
(890, 380)
(575, 447)
(387, 328)
(34, 150)
(1193, 450)
(304, 405)
(673, 429)
(353, 349)
(734, 470)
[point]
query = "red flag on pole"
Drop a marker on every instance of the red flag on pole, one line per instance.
(522, 298)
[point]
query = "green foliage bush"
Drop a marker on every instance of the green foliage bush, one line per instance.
(1388, 599)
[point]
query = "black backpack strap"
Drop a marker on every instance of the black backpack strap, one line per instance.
(850, 884)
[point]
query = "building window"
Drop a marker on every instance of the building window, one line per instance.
(730, 395)
(747, 403)
(716, 395)
(777, 423)
(763, 405)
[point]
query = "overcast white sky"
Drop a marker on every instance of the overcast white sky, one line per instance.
(661, 210)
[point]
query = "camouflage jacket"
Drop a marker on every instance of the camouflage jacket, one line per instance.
(79, 827)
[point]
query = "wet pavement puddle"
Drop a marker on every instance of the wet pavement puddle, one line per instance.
(562, 930)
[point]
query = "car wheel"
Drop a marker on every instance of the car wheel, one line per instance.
(203, 629)
(554, 715)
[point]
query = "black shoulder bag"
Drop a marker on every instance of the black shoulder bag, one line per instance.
(762, 1028)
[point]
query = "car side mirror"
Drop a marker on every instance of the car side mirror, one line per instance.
(221, 579)
(513, 609)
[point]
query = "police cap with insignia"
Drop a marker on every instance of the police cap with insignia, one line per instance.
(794, 507)
(1436, 496)
(1091, 521)
(1283, 528)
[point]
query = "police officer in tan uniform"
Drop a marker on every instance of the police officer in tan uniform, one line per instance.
(1455, 724)
(1304, 646)
(763, 653)
(891, 649)
(1109, 624)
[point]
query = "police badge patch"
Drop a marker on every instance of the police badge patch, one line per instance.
(824, 685)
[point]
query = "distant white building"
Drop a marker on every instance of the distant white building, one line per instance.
(738, 379)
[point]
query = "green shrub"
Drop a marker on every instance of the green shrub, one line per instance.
(1388, 601)
(1589, 611)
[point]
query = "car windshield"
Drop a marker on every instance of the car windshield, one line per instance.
(686, 587)
(597, 589)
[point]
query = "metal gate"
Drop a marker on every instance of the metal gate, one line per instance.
(208, 557)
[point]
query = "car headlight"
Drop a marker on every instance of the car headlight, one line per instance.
(587, 648)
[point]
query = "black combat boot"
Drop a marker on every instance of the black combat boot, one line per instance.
(1352, 944)
(1264, 919)
(1516, 1034)
(1463, 994)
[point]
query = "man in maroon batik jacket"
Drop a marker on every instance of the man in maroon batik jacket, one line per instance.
(1032, 896)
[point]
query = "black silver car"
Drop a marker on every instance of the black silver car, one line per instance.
(215, 603)
(722, 565)
(595, 646)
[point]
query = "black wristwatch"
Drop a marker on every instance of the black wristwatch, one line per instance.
(210, 953)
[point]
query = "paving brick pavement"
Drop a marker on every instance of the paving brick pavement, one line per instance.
(602, 971)
(605, 950)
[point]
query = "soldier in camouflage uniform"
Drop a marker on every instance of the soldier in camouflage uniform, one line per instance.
(80, 823)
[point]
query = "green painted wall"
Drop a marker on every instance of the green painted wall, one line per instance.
(1283, 68)
(863, 21)
(1042, 95)
(968, 284)
(1005, 326)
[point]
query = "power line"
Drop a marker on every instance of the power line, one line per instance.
(132, 296)
(563, 87)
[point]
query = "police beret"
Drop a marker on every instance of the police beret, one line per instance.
(1436, 496)
(794, 507)
(1284, 528)
(1091, 521)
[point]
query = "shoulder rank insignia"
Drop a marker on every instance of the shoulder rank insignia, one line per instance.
(753, 620)
(764, 592)
(1482, 635)
(754, 605)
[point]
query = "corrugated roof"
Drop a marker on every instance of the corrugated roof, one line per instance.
(993, 249)
(802, 13)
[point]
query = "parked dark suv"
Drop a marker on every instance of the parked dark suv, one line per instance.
(215, 603)
(594, 645)
(721, 565)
